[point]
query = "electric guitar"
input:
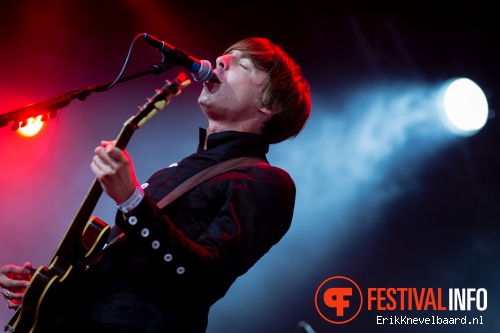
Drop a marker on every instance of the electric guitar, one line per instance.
(46, 299)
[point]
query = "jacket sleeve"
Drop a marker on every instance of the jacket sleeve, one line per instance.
(256, 212)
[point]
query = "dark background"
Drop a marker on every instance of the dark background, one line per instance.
(385, 196)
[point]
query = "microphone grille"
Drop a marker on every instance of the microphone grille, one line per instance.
(205, 71)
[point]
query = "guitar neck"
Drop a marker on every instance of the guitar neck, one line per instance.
(70, 247)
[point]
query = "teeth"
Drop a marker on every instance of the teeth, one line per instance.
(214, 79)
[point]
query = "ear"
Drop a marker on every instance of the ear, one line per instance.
(266, 111)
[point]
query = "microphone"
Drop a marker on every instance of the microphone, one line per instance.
(201, 69)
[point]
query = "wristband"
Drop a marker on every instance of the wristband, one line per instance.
(133, 201)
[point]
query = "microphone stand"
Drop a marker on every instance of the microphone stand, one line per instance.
(48, 108)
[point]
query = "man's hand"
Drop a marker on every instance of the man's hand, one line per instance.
(114, 169)
(13, 282)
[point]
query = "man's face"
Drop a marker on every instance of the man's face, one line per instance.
(236, 97)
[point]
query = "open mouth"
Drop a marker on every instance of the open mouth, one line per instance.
(213, 79)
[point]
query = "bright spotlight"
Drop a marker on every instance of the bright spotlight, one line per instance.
(465, 109)
(30, 127)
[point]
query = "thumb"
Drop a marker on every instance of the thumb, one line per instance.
(28, 267)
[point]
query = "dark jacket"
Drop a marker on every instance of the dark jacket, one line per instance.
(171, 265)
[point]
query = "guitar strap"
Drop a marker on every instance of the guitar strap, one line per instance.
(199, 178)
(206, 174)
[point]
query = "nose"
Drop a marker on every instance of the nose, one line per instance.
(222, 62)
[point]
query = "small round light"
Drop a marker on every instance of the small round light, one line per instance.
(32, 127)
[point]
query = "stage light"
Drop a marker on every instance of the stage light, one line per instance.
(464, 108)
(30, 127)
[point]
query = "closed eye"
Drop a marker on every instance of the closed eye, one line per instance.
(245, 63)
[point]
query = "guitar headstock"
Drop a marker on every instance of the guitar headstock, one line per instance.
(160, 99)
(153, 105)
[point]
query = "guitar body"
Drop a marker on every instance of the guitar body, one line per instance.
(45, 304)
(49, 299)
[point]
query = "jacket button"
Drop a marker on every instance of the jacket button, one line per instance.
(181, 270)
(132, 220)
(145, 232)
(168, 257)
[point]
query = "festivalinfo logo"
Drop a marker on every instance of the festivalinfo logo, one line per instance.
(339, 300)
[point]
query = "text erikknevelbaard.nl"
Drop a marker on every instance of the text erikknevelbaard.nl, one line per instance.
(432, 320)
